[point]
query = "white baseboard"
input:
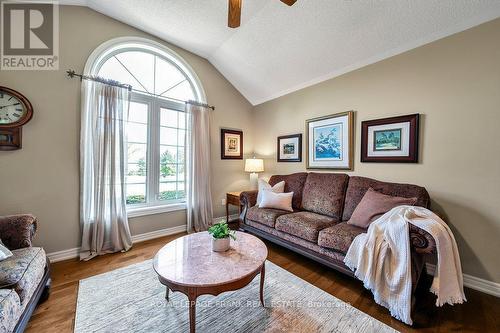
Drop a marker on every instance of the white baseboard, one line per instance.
(75, 252)
(158, 233)
(485, 286)
(64, 254)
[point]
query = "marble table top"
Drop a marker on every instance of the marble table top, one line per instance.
(190, 261)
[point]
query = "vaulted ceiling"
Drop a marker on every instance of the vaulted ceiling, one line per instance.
(279, 49)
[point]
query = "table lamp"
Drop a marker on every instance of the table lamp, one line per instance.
(254, 165)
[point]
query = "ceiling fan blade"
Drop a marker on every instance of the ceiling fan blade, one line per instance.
(234, 13)
(289, 2)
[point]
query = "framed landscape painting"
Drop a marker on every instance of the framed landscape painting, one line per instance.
(290, 148)
(231, 142)
(390, 139)
(330, 141)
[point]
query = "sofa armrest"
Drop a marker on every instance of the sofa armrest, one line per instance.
(421, 241)
(17, 231)
(247, 199)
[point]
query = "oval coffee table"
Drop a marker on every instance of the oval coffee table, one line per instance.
(189, 265)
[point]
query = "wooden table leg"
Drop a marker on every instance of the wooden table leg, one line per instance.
(167, 293)
(192, 312)
(262, 277)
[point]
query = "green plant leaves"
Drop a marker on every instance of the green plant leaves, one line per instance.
(221, 230)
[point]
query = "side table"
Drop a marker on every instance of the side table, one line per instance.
(232, 198)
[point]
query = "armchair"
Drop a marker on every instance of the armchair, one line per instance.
(25, 276)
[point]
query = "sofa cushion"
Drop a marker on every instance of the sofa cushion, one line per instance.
(358, 186)
(324, 193)
(266, 216)
(293, 183)
(23, 271)
(339, 237)
(10, 310)
(373, 205)
(331, 255)
(305, 225)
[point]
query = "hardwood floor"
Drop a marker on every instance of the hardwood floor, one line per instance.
(480, 314)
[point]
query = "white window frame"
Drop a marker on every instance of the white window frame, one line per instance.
(123, 44)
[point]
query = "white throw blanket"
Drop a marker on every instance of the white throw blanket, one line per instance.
(381, 259)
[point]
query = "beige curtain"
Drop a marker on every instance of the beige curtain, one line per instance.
(102, 170)
(199, 196)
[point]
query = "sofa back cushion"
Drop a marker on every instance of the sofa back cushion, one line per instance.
(358, 186)
(373, 205)
(293, 183)
(324, 193)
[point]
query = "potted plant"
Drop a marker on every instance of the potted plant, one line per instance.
(221, 236)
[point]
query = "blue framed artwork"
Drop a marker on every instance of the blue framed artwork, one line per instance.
(330, 141)
(389, 139)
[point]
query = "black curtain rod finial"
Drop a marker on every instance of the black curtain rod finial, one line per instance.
(71, 73)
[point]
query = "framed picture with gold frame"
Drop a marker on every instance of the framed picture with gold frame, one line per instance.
(330, 141)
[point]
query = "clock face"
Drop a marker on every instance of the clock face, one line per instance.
(11, 109)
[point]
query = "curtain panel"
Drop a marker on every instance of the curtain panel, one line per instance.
(103, 211)
(199, 195)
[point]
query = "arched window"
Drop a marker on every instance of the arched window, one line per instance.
(156, 126)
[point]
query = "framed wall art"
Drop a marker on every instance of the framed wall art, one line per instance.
(290, 148)
(392, 139)
(231, 142)
(330, 141)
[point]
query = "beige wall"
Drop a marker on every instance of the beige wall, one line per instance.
(43, 177)
(455, 84)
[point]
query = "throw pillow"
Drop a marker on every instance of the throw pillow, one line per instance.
(4, 252)
(264, 186)
(375, 204)
(281, 201)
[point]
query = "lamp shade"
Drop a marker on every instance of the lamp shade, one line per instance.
(254, 165)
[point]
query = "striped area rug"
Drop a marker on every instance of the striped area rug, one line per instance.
(131, 299)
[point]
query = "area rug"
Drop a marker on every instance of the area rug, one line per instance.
(131, 299)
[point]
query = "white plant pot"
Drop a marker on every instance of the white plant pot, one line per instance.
(221, 244)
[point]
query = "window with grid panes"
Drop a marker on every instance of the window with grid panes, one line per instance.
(156, 125)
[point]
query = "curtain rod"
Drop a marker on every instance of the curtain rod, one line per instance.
(205, 105)
(71, 73)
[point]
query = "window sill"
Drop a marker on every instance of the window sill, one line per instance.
(143, 211)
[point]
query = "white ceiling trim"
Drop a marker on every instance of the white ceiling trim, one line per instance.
(280, 49)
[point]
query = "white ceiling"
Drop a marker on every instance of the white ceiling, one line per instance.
(280, 49)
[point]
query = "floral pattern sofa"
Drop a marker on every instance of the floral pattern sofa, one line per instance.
(25, 276)
(323, 203)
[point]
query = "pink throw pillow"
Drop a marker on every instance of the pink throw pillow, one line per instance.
(375, 204)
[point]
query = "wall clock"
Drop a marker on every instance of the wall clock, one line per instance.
(15, 111)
